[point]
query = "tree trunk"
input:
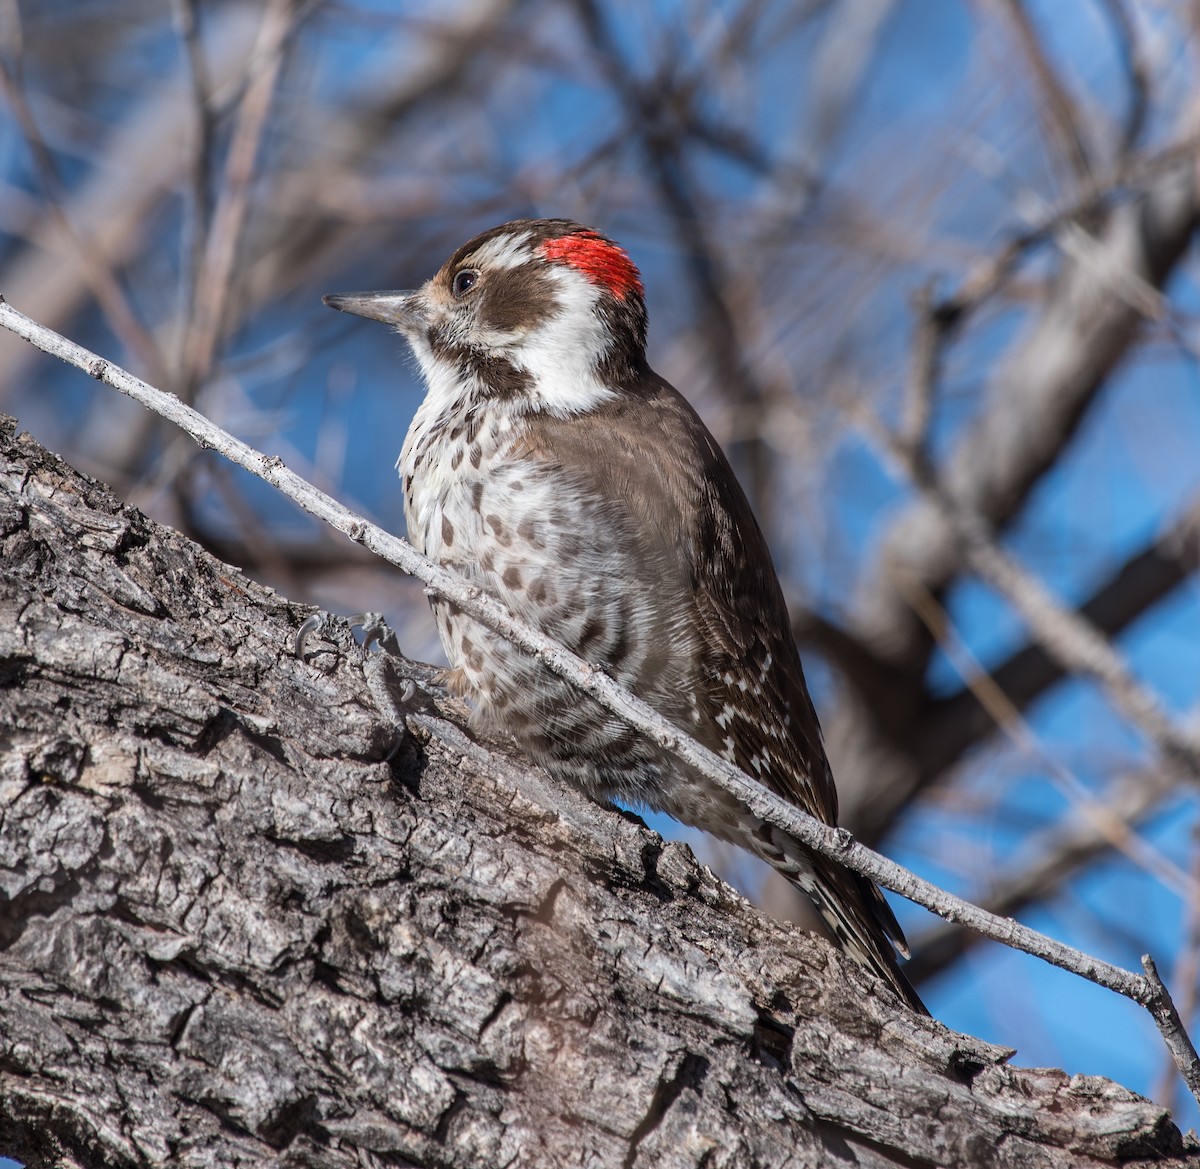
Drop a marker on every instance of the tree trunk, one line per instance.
(248, 919)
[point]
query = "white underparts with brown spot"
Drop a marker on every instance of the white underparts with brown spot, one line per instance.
(557, 558)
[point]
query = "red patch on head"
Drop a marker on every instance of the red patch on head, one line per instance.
(599, 259)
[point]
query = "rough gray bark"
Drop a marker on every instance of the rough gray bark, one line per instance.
(246, 919)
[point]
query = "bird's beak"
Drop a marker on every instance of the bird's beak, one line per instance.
(405, 310)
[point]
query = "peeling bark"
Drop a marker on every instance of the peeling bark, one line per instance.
(247, 919)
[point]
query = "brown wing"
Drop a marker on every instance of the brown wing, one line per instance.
(757, 695)
(650, 453)
(649, 450)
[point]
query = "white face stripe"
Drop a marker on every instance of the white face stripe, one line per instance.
(504, 251)
(564, 352)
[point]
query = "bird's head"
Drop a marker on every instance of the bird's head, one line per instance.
(545, 312)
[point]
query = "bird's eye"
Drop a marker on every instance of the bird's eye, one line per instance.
(464, 281)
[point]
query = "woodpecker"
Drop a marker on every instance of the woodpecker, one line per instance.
(552, 467)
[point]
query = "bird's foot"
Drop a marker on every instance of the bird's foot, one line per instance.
(376, 631)
(390, 677)
(319, 635)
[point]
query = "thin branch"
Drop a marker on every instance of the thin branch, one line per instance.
(1137, 69)
(216, 272)
(1040, 396)
(1113, 828)
(941, 731)
(1050, 859)
(1058, 106)
(934, 326)
(1186, 974)
(114, 203)
(307, 230)
(958, 722)
(195, 237)
(97, 270)
(1170, 1025)
(834, 843)
(1066, 635)
(1131, 177)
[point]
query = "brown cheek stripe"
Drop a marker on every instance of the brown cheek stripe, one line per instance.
(599, 259)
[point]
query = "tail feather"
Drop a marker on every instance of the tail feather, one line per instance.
(874, 897)
(850, 906)
(853, 907)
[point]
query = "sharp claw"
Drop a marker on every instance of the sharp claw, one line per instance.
(390, 692)
(376, 632)
(311, 624)
(373, 626)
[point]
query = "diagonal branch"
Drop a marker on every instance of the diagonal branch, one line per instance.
(1054, 856)
(97, 269)
(1006, 716)
(942, 731)
(1059, 110)
(215, 274)
(834, 843)
(1187, 965)
(889, 721)
(346, 943)
(199, 208)
(1138, 70)
(1066, 635)
(114, 204)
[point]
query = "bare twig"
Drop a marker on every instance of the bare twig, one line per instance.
(1186, 974)
(1129, 179)
(834, 843)
(1170, 1025)
(195, 237)
(295, 245)
(1066, 634)
(958, 722)
(1063, 122)
(1049, 859)
(943, 730)
(1137, 69)
(115, 205)
(1111, 826)
(933, 329)
(97, 270)
(1041, 395)
(216, 271)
